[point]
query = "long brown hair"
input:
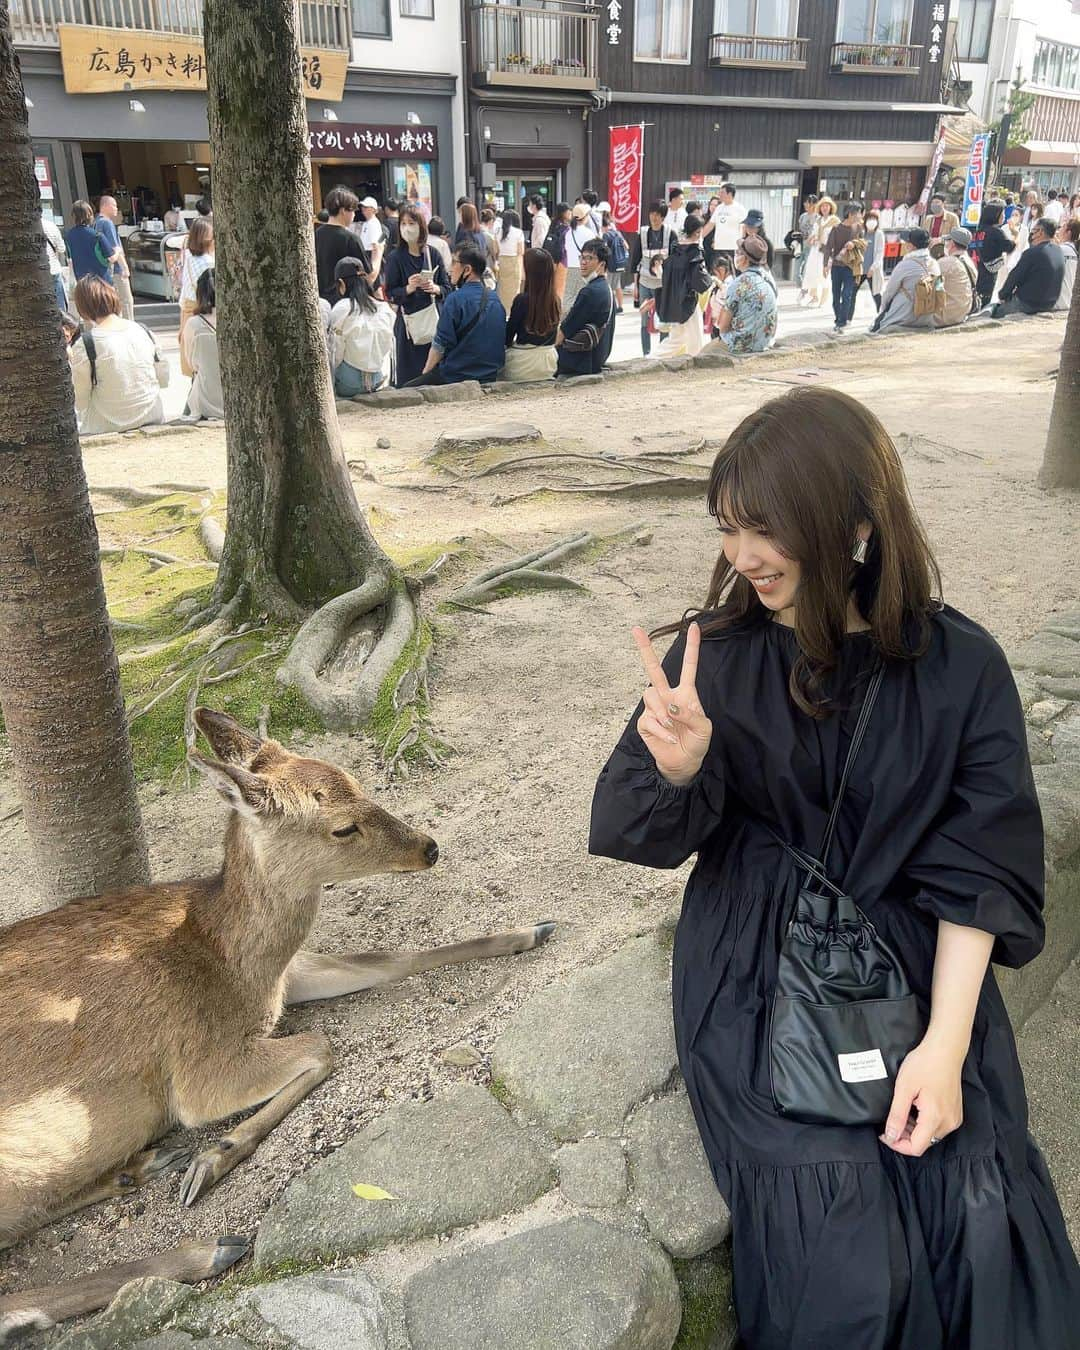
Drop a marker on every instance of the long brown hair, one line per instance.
(807, 469)
(200, 238)
(469, 219)
(542, 315)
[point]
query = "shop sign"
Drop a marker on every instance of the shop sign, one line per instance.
(625, 165)
(938, 17)
(113, 60)
(352, 140)
(614, 28)
(935, 166)
(43, 174)
(976, 180)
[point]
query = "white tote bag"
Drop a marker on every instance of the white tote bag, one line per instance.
(421, 324)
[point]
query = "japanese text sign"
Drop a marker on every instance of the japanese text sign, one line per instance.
(351, 140)
(976, 180)
(624, 177)
(112, 60)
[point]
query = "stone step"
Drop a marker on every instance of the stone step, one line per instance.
(1049, 1047)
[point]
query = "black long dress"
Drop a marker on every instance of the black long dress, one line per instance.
(411, 357)
(838, 1242)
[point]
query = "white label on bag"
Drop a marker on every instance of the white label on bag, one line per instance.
(862, 1066)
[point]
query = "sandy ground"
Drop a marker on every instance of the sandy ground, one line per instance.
(534, 695)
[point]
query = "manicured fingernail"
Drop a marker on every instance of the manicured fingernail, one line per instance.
(891, 1135)
(673, 740)
(668, 723)
(673, 708)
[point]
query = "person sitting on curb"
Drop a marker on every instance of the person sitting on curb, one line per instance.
(1034, 284)
(958, 276)
(898, 303)
(747, 319)
(117, 370)
(585, 334)
(470, 341)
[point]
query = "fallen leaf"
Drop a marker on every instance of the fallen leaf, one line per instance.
(366, 1192)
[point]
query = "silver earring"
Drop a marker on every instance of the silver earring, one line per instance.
(859, 551)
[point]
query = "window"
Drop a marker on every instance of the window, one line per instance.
(1056, 66)
(973, 20)
(662, 30)
(371, 18)
(874, 21)
(418, 9)
(759, 18)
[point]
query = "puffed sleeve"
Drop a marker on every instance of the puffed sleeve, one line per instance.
(981, 862)
(637, 815)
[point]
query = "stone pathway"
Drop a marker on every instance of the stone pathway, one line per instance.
(571, 1206)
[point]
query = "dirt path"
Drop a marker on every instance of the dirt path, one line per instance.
(534, 695)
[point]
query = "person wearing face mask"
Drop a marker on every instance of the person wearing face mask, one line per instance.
(937, 223)
(415, 281)
(873, 274)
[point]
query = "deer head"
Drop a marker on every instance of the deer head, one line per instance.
(312, 816)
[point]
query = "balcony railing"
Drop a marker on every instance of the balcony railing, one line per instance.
(779, 53)
(874, 58)
(323, 23)
(529, 46)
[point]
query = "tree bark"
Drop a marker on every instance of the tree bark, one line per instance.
(1061, 461)
(296, 538)
(59, 680)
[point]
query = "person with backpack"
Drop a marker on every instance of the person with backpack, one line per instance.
(915, 293)
(655, 241)
(85, 246)
(620, 257)
(116, 368)
(555, 245)
(684, 282)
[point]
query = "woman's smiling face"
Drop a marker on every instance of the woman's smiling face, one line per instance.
(755, 555)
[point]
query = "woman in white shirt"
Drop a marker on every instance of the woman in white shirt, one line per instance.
(117, 370)
(578, 235)
(361, 332)
(201, 353)
(198, 256)
(511, 241)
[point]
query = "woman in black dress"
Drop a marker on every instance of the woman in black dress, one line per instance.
(991, 246)
(940, 1230)
(415, 280)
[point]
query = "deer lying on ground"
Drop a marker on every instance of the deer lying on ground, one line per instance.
(125, 1014)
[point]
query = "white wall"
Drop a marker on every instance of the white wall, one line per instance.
(430, 46)
(1017, 24)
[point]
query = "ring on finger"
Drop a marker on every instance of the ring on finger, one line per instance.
(934, 1139)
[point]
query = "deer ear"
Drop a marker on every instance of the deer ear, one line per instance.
(245, 792)
(228, 739)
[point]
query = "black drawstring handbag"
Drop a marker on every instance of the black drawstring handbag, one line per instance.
(843, 1014)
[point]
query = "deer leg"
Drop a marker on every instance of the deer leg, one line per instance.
(283, 1071)
(136, 1172)
(314, 975)
(40, 1308)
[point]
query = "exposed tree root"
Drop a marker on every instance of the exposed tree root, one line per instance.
(343, 708)
(601, 461)
(213, 537)
(155, 555)
(657, 487)
(135, 495)
(528, 570)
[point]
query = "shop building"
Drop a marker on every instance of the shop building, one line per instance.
(780, 98)
(1037, 42)
(117, 104)
(532, 82)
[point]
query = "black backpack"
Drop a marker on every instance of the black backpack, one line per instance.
(553, 244)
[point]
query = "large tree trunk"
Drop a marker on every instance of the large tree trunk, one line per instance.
(59, 681)
(1061, 462)
(296, 536)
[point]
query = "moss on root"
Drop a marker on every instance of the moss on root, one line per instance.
(708, 1320)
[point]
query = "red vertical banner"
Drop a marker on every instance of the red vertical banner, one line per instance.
(624, 177)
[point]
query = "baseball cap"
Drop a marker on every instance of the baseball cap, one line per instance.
(581, 212)
(603, 206)
(345, 268)
(961, 236)
(370, 201)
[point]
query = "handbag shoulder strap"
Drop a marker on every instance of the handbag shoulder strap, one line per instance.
(856, 741)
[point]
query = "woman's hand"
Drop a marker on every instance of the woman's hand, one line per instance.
(674, 726)
(414, 283)
(927, 1103)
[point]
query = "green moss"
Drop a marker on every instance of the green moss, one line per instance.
(388, 726)
(498, 1089)
(708, 1320)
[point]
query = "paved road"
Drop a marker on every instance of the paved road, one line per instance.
(163, 321)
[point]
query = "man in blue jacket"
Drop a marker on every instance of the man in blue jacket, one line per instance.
(470, 341)
(586, 333)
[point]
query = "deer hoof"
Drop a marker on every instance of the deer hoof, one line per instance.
(230, 1249)
(542, 932)
(207, 1168)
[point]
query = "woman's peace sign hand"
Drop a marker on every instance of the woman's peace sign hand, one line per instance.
(674, 725)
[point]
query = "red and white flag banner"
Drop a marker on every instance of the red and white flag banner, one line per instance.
(624, 177)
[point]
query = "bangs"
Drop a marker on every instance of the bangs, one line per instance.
(741, 494)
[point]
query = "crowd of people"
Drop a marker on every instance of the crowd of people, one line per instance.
(1020, 259)
(405, 300)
